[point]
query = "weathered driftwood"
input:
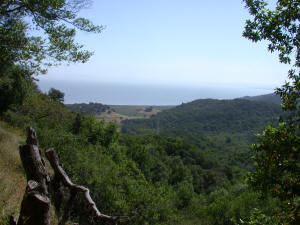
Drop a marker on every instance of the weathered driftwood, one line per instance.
(35, 207)
(62, 177)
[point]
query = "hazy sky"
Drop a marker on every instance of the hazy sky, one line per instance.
(176, 42)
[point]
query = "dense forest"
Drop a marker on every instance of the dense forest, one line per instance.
(224, 127)
(208, 117)
(191, 164)
(146, 178)
(274, 98)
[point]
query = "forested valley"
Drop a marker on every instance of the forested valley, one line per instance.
(200, 162)
(151, 178)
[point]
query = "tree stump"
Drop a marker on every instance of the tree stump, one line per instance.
(35, 207)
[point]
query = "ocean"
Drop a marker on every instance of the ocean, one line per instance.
(134, 94)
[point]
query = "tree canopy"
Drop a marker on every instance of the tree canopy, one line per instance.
(56, 95)
(280, 27)
(34, 35)
(277, 152)
(56, 20)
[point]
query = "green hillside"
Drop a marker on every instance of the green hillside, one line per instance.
(151, 179)
(272, 98)
(135, 176)
(227, 126)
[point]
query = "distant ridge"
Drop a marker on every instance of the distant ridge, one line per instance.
(209, 117)
(224, 127)
(272, 98)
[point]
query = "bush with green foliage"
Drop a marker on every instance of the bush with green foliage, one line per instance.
(15, 86)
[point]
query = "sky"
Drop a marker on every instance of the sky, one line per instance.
(172, 42)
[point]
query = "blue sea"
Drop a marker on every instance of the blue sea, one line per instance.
(137, 94)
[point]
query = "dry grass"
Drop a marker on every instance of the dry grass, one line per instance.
(12, 177)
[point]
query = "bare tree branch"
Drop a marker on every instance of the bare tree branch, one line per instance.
(61, 174)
